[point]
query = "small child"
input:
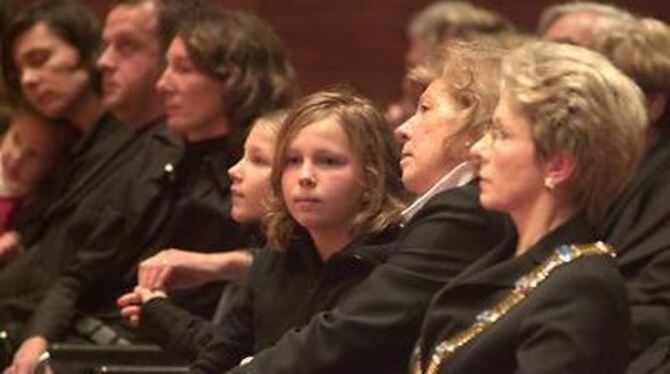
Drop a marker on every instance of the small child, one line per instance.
(29, 150)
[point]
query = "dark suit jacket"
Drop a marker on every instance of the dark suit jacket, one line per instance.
(575, 322)
(638, 226)
(187, 206)
(372, 329)
(94, 160)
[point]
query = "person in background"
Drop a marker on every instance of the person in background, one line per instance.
(548, 299)
(101, 161)
(439, 23)
(578, 22)
(637, 223)
(30, 150)
(223, 70)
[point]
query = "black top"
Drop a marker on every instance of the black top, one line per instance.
(94, 161)
(185, 204)
(638, 226)
(373, 329)
(284, 291)
(576, 321)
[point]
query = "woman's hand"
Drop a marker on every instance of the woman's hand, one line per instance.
(131, 303)
(28, 357)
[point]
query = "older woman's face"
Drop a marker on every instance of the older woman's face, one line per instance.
(511, 176)
(425, 159)
(193, 100)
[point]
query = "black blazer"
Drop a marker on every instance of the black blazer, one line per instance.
(575, 322)
(638, 226)
(373, 328)
(187, 206)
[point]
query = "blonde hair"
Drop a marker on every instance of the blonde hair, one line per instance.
(641, 49)
(371, 141)
(578, 102)
(471, 72)
(455, 19)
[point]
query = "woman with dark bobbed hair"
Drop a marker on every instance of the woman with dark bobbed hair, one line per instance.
(566, 136)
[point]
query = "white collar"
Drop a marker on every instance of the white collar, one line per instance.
(459, 176)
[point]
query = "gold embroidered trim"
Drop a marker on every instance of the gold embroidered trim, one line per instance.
(523, 287)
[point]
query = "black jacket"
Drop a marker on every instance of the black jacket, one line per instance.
(282, 292)
(185, 204)
(638, 226)
(93, 161)
(372, 330)
(575, 322)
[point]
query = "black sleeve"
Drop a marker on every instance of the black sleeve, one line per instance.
(174, 328)
(373, 328)
(108, 236)
(578, 323)
(233, 338)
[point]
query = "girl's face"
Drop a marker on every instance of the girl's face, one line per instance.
(251, 175)
(511, 175)
(322, 180)
(52, 76)
(29, 151)
(193, 100)
(425, 158)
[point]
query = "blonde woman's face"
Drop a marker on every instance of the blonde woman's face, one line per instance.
(510, 175)
(424, 158)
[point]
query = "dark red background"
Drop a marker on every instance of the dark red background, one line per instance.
(362, 42)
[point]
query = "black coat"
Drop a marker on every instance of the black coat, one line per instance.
(576, 321)
(93, 161)
(638, 226)
(372, 330)
(282, 292)
(185, 204)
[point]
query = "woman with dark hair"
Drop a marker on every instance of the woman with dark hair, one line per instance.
(48, 61)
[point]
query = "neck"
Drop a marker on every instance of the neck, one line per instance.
(87, 113)
(329, 243)
(140, 116)
(536, 221)
(214, 129)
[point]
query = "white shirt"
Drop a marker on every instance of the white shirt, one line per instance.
(459, 176)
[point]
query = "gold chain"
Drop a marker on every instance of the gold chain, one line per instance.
(523, 287)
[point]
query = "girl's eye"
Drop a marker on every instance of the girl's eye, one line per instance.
(292, 160)
(330, 161)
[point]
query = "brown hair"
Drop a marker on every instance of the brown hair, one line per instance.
(243, 52)
(371, 141)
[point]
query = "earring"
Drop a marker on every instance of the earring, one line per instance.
(549, 183)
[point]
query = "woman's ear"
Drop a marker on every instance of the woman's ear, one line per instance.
(559, 168)
(656, 104)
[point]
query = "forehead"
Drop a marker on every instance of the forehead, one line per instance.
(39, 36)
(328, 130)
(139, 20)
